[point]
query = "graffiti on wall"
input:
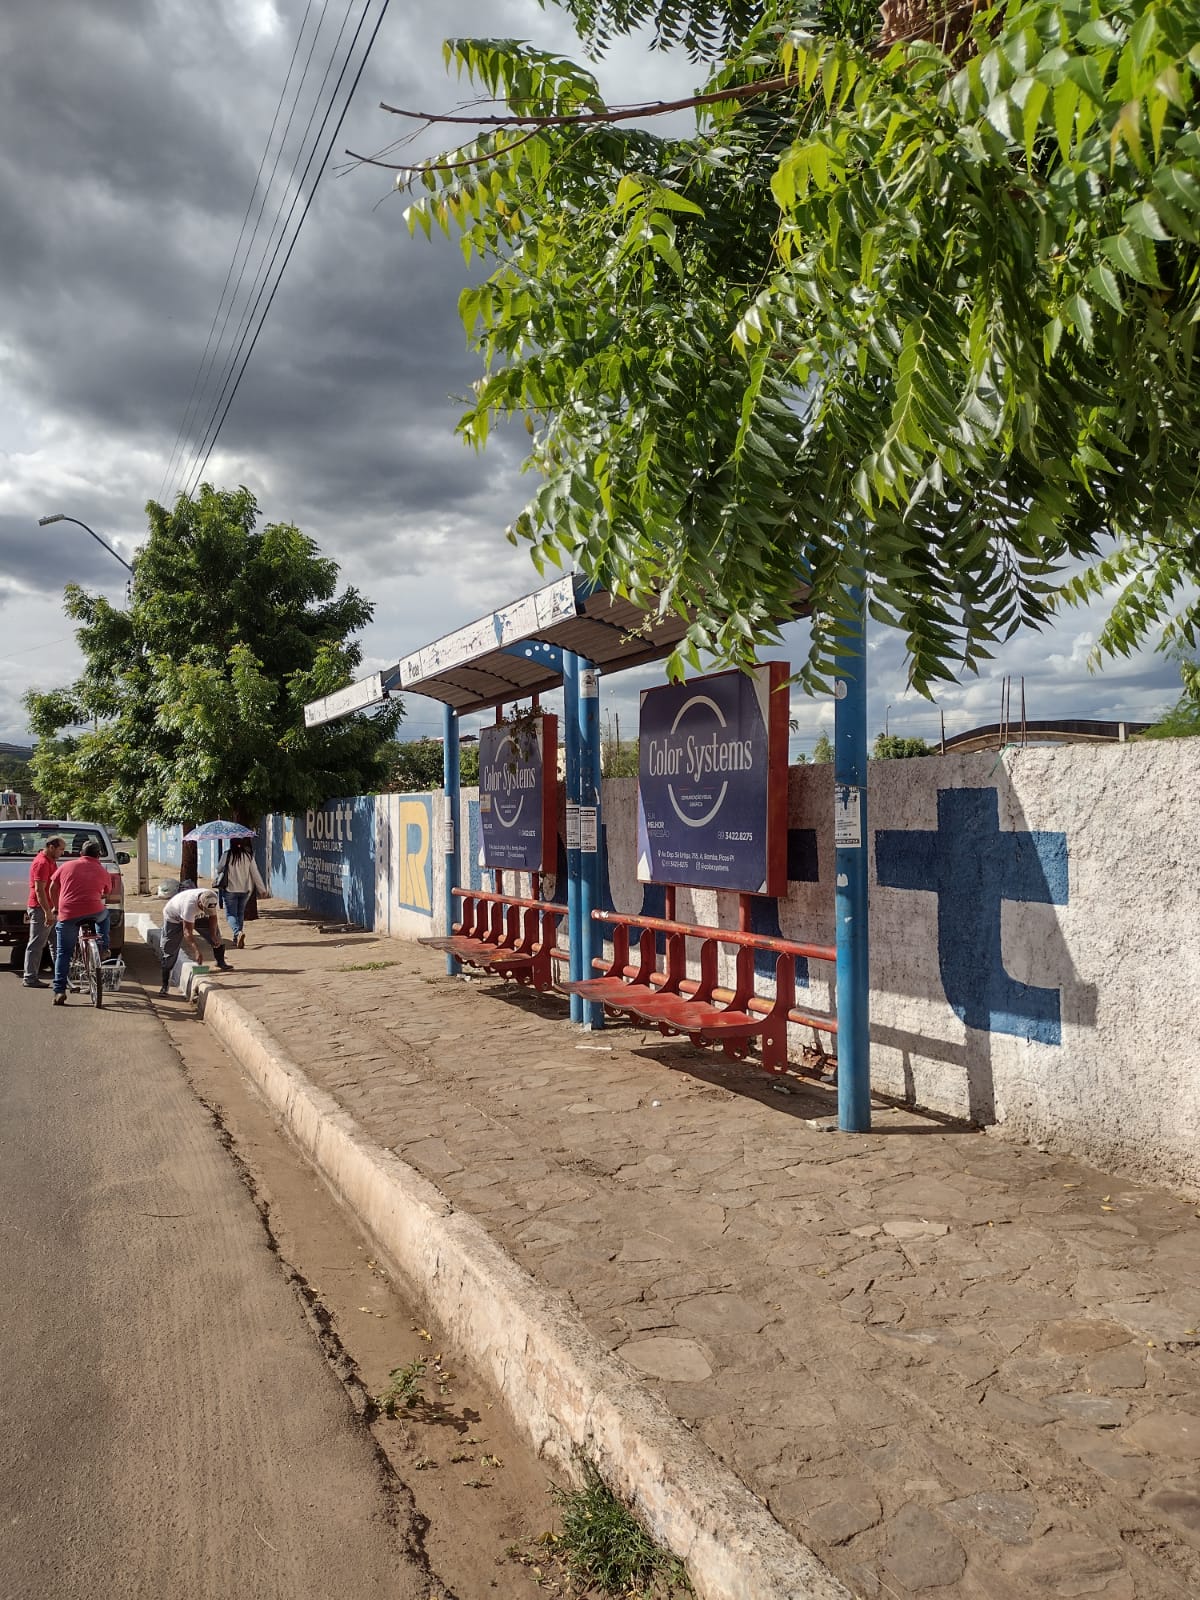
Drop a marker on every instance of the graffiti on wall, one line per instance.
(972, 865)
(325, 860)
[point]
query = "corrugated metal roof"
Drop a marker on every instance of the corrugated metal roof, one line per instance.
(497, 658)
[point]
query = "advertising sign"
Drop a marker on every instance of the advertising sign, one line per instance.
(325, 860)
(712, 782)
(516, 801)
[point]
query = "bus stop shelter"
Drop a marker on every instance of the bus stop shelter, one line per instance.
(570, 633)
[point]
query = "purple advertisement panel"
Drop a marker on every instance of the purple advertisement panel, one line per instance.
(512, 797)
(705, 810)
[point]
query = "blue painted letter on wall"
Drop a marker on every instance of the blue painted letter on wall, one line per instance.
(972, 866)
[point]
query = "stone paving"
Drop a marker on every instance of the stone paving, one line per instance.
(948, 1363)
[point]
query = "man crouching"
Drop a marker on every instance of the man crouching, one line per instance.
(185, 914)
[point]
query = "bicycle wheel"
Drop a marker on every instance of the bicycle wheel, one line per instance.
(95, 976)
(77, 971)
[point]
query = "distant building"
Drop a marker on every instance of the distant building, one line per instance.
(1055, 730)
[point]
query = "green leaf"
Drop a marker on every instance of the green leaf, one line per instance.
(1102, 280)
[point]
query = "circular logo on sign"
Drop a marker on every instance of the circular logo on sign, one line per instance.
(508, 805)
(693, 817)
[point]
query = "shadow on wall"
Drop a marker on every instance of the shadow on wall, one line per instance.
(991, 883)
(283, 858)
(966, 938)
(324, 861)
(358, 903)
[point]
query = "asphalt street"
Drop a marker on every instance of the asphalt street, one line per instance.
(170, 1427)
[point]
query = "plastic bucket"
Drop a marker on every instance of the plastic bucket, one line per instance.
(111, 973)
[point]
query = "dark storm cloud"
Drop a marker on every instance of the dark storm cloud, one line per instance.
(44, 560)
(130, 132)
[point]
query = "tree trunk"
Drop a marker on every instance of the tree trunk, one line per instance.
(188, 863)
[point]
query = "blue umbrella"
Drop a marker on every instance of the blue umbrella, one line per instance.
(220, 830)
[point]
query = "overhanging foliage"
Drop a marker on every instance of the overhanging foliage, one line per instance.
(922, 320)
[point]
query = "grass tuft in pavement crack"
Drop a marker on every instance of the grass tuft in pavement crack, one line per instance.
(603, 1544)
(368, 966)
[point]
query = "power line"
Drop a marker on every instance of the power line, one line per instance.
(192, 402)
(262, 270)
(304, 213)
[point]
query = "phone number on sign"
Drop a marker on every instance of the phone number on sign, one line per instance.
(731, 837)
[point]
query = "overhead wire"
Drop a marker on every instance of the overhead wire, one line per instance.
(262, 268)
(193, 403)
(209, 441)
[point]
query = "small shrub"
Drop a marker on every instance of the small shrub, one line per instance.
(403, 1390)
(603, 1543)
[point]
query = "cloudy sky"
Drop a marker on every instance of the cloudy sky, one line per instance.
(131, 132)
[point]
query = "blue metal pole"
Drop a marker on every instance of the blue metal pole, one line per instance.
(570, 674)
(589, 826)
(450, 820)
(850, 871)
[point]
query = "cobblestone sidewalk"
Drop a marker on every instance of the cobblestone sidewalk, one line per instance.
(947, 1363)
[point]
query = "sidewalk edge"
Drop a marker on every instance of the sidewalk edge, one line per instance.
(563, 1389)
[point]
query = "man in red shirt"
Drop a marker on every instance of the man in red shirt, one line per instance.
(78, 892)
(41, 913)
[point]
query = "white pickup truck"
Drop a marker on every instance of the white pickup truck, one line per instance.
(19, 843)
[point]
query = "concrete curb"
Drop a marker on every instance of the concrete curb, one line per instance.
(566, 1392)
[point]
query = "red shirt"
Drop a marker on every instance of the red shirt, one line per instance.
(82, 883)
(41, 870)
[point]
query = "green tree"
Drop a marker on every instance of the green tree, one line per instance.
(915, 312)
(893, 747)
(1182, 721)
(823, 749)
(195, 693)
(15, 772)
(620, 759)
(417, 765)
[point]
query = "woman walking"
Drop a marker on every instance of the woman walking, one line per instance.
(241, 877)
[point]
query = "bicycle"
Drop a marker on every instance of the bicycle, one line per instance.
(85, 969)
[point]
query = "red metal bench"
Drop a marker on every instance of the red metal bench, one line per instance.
(708, 1014)
(504, 935)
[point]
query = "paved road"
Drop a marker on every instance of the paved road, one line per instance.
(169, 1427)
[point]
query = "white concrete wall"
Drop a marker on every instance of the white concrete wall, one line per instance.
(1121, 1082)
(1035, 959)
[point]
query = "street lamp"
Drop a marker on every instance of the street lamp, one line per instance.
(886, 713)
(61, 516)
(143, 860)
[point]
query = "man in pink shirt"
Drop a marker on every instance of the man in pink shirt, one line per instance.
(78, 892)
(41, 912)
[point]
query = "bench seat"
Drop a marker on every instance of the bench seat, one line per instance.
(654, 1006)
(476, 952)
(634, 984)
(503, 935)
